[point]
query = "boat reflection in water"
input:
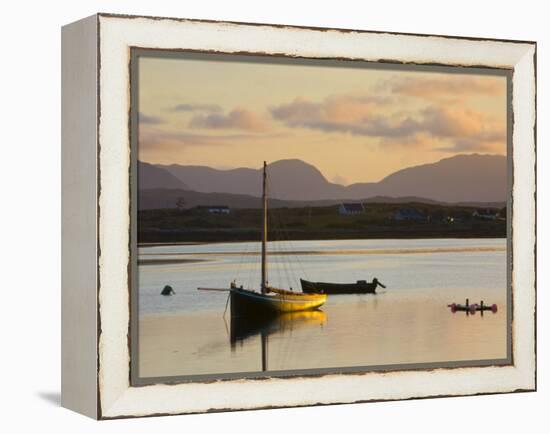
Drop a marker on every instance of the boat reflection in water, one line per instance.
(246, 327)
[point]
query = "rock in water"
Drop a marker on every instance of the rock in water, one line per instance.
(167, 290)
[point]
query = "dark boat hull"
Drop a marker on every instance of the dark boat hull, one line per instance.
(338, 288)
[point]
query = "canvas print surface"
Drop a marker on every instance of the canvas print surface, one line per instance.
(305, 216)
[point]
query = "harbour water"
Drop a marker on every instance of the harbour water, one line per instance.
(406, 323)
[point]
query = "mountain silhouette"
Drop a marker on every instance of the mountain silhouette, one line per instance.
(150, 177)
(461, 178)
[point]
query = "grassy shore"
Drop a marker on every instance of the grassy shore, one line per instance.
(377, 222)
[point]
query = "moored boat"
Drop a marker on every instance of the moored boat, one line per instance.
(359, 287)
(252, 303)
(259, 312)
(269, 300)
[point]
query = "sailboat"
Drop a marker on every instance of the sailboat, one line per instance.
(269, 300)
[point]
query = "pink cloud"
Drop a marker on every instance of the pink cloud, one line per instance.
(452, 87)
(239, 119)
(372, 117)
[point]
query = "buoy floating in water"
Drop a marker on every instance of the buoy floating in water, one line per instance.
(167, 290)
(472, 308)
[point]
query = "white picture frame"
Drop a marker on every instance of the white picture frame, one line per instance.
(96, 344)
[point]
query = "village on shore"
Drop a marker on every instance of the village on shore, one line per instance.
(344, 221)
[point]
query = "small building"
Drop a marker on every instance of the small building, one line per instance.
(219, 209)
(215, 209)
(408, 214)
(351, 209)
(485, 214)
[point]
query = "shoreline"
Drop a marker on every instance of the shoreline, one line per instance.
(209, 237)
(171, 261)
(201, 243)
(401, 251)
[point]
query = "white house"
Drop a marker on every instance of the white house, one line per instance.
(218, 209)
(485, 214)
(351, 209)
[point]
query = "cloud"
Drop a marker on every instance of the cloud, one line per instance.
(238, 119)
(461, 122)
(151, 120)
(336, 112)
(214, 108)
(155, 138)
(151, 138)
(471, 145)
(347, 114)
(371, 117)
(453, 87)
(446, 129)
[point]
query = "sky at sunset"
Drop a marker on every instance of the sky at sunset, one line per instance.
(355, 124)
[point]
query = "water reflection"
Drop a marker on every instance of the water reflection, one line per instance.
(186, 334)
(243, 328)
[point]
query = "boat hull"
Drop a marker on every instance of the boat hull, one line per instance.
(338, 288)
(250, 303)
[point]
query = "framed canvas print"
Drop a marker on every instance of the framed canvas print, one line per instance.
(261, 216)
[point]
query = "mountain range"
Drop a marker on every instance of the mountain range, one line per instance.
(468, 178)
(152, 177)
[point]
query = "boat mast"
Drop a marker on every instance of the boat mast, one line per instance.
(264, 231)
(264, 350)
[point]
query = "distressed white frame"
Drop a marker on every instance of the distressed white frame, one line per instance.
(116, 398)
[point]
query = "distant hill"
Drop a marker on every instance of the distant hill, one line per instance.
(162, 198)
(150, 176)
(479, 178)
(167, 198)
(291, 180)
(463, 178)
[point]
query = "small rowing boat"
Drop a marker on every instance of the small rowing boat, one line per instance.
(359, 287)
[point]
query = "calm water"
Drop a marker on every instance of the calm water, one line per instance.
(187, 334)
